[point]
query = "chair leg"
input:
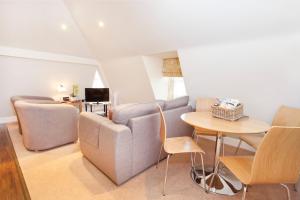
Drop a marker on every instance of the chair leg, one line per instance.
(223, 147)
(192, 160)
(238, 147)
(195, 158)
(197, 139)
(287, 190)
(194, 133)
(244, 192)
(203, 171)
(159, 155)
(166, 174)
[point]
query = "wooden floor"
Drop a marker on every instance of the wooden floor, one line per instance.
(12, 184)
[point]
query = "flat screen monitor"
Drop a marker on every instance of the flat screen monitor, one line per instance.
(96, 94)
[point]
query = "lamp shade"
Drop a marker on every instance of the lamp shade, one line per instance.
(171, 67)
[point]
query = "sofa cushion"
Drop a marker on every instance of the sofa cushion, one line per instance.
(41, 101)
(175, 103)
(17, 98)
(122, 113)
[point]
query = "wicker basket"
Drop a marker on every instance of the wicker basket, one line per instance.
(228, 114)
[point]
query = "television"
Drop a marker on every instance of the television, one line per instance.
(96, 94)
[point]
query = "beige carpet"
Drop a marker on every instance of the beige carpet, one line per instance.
(63, 173)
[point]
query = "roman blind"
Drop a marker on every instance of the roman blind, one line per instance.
(171, 67)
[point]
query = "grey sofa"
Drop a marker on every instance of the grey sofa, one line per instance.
(46, 124)
(130, 143)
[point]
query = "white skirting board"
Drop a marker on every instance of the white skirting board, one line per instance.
(5, 120)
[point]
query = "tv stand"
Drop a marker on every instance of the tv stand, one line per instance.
(105, 105)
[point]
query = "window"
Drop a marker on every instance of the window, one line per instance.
(179, 87)
(176, 87)
(97, 83)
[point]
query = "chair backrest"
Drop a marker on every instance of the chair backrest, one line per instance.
(163, 128)
(13, 99)
(204, 104)
(287, 116)
(277, 159)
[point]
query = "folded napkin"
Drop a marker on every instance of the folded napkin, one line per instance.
(228, 103)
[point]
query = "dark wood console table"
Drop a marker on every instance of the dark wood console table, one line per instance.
(12, 183)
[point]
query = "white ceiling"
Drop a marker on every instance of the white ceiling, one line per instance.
(36, 25)
(141, 27)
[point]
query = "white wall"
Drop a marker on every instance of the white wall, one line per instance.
(128, 77)
(25, 76)
(154, 65)
(262, 73)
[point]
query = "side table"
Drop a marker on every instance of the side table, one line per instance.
(75, 103)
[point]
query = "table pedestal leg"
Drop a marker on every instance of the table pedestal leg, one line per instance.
(224, 182)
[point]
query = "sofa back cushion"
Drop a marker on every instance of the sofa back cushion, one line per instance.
(41, 101)
(122, 113)
(161, 103)
(176, 103)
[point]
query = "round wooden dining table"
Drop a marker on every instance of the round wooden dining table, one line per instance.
(224, 182)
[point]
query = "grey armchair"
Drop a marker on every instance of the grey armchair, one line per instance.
(26, 97)
(46, 126)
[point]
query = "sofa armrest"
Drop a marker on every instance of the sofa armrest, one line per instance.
(47, 125)
(112, 151)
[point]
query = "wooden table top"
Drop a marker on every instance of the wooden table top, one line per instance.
(245, 125)
(12, 183)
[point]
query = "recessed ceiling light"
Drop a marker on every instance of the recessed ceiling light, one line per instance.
(64, 27)
(101, 24)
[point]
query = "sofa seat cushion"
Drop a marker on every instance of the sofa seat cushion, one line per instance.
(176, 103)
(122, 113)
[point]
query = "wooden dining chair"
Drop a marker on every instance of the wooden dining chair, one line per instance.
(285, 116)
(277, 160)
(204, 104)
(177, 145)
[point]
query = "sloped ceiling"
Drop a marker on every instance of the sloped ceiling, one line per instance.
(36, 25)
(140, 27)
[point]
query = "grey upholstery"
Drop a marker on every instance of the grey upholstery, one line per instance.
(176, 103)
(107, 145)
(146, 141)
(24, 98)
(46, 126)
(122, 151)
(122, 113)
